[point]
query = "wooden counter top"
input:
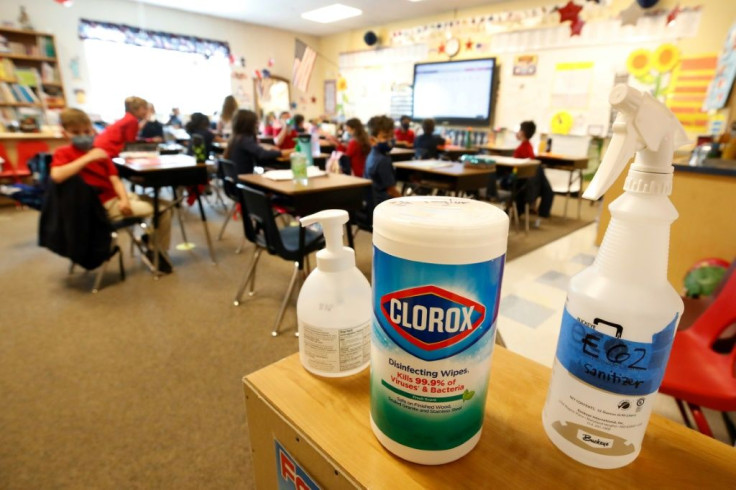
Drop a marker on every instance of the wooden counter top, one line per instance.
(332, 417)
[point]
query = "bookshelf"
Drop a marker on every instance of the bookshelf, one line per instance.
(30, 76)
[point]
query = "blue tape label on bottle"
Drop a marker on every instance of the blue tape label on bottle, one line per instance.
(611, 363)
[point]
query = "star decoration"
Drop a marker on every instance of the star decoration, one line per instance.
(441, 49)
(576, 27)
(569, 12)
(673, 14)
(469, 45)
(630, 15)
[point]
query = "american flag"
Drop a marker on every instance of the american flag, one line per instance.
(304, 58)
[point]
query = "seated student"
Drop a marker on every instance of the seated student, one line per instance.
(114, 138)
(199, 124)
(537, 186)
(378, 166)
(97, 170)
(358, 146)
(286, 139)
(152, 129)
(174, 118)
(243, 148)
(270, 127)
(403, 135)
(428, 144)
(224, 123)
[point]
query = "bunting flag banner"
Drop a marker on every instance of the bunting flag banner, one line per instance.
(121, 33)
(304, 58)
(689, 89)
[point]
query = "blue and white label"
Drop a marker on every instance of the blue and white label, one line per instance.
(431, 343)
(595, 354)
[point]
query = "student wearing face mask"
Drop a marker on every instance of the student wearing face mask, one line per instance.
(403, 135)
(378, 166)
(97, 170)
(355, 145)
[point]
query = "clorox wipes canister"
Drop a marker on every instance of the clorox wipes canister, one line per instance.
(437, 268)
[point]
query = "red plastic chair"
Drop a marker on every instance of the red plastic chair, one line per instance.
(27, 150)
(696, 374)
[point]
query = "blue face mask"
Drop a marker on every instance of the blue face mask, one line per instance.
(384, 147)
(83, 142)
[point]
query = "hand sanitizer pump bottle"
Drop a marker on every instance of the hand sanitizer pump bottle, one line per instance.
(334, 306)
(621, 313)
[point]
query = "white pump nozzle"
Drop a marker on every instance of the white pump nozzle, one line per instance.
(334, 257)
(645, 126)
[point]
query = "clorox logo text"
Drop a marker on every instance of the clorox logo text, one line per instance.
(432, 323)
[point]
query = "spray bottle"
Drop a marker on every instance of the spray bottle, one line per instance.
(621, 313)
(334, 306)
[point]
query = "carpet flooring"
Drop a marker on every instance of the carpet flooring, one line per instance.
(139, 386)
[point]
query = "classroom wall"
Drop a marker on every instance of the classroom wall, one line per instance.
(717, 16)
(256, 43)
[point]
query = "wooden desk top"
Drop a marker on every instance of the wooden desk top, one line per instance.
(556, 158)
(314, 185)
(398, 150)
(514, 452)
(515, 162)
(159, 163)
(442, 167)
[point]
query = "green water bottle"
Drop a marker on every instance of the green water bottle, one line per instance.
(299, 166)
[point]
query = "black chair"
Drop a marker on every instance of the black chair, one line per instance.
(74, 224)
(227, 172)
(291, 243)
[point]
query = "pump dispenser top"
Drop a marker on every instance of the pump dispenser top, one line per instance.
(334, 257)
(644, 126)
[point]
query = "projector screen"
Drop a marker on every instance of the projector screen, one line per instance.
(454, 92)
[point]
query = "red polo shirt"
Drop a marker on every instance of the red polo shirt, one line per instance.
(524, 150)
(289, 140)
(97, 173)
(116, 135)
(402, 135)
(357, 159)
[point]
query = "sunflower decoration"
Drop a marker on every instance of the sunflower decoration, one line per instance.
(342, 84)
(654, 68)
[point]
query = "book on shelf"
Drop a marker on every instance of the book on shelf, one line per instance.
(27, 76)
(4, 47)
(46, 47)
(30, 120)
(49, 74)
(54, 96)
(7, 70)
(6, 95)
(17, 48)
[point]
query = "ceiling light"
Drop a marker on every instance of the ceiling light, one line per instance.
(331, 13)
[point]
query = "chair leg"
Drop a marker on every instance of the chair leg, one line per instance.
(700, 421)
(526, 217)
(181, 224)
(286, 299)
(241, 246)
(250, 273)
(121, 265)
(729, 427)
(683, 413)
(227, 220)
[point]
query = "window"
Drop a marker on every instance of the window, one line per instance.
(166, 78)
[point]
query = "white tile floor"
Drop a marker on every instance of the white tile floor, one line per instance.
(533, 297)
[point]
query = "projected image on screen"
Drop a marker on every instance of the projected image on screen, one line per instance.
(456, 92)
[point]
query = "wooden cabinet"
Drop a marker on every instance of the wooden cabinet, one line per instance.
(30, 78)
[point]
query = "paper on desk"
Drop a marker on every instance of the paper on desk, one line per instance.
(138, 154)
(288, 175)
(435, 164)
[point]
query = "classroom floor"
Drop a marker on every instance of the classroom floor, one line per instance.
(140, 385)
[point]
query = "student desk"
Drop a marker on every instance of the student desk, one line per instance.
(269, 140)
(497, 150)
(398, 154)
(332, 191)
(443, 174)
(454, 152)
(570, 164)
(167, 171)
(324, 424)
(285, 162)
